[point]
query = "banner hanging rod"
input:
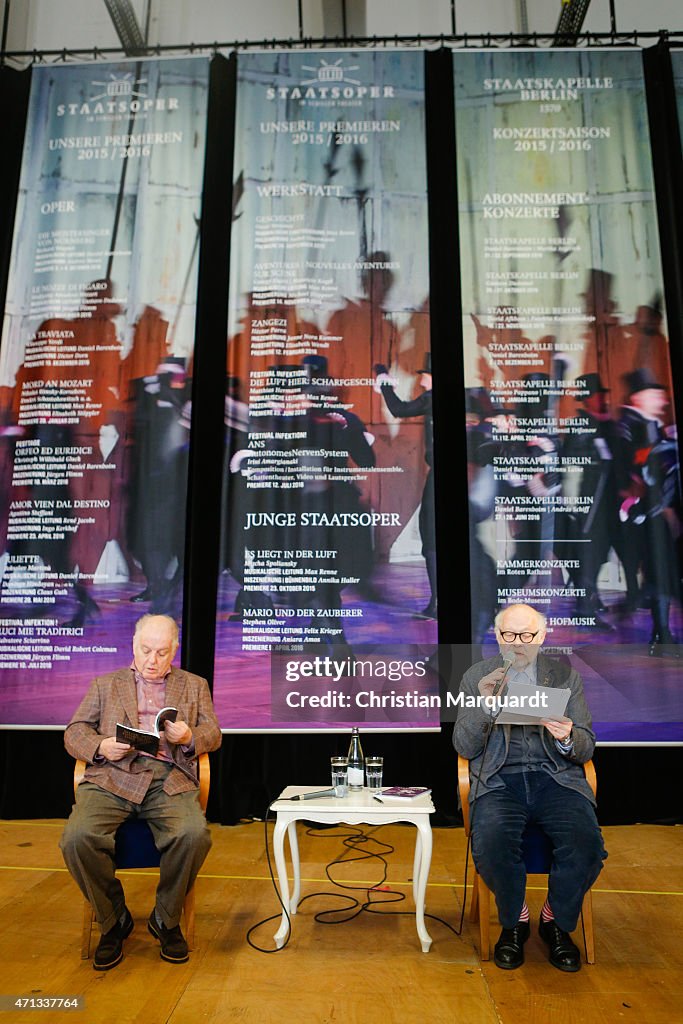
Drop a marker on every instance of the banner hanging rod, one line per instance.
(488, 40)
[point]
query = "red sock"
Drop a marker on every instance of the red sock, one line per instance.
(546, 913)
(524, 913)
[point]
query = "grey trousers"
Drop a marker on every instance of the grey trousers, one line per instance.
(181, 836)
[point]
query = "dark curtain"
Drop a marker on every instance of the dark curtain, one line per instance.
(635, 784)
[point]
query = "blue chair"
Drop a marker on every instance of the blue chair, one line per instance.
(537, 852)
(134, 848)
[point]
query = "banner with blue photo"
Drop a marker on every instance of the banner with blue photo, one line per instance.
(572, 450)
(95, 372)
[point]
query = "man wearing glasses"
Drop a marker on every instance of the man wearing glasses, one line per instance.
(523, 773)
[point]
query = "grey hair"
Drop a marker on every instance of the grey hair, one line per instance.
(144, 619)
(541, 619)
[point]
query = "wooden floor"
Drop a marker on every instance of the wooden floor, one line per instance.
(366, 971)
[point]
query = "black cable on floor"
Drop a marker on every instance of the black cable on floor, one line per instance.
(352, 841)
(273, 917)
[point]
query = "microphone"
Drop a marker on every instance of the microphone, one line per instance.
(335, 791)
(508, 657)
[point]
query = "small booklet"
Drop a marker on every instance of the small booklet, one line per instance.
(147, 742)
(403, 792)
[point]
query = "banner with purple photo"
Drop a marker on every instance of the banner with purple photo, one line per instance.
(573, 460)
(95, 372)
(328, 512)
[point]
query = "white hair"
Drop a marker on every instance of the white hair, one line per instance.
(144, 619)
(540, 617)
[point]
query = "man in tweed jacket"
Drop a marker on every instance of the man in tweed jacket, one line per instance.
(120, 783)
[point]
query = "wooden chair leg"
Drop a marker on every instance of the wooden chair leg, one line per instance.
(88, 918)
(189, 911)
(474, 904)
(587, 923)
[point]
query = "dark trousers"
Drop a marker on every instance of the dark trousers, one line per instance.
(566, 816)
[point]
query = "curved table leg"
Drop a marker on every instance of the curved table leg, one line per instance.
(417, 859)
(281, 864)
(424, 840)
(296, 866)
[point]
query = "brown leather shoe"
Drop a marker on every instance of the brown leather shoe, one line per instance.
(109, 950)
(173, 944)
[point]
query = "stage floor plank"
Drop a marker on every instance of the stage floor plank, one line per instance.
(362, 971)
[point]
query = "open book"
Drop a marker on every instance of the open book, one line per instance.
(148, 742)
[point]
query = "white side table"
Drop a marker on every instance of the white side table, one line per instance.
(353, 809)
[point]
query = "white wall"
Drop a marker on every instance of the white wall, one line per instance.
(174, 21)
(67, 23)
(405, 17)
(633, 14)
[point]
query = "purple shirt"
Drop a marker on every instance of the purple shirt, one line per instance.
(151, 699)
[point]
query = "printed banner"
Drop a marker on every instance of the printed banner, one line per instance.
(573, 463)
(328, 526)
(95, 371)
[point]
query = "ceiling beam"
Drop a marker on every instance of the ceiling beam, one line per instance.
(571, 20)
(126, 24)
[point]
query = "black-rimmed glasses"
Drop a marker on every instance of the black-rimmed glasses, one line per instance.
(509, 637)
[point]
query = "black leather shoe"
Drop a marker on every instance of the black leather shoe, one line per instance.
(508, 952)
(109, 950)
(173, 945)
(562, 952)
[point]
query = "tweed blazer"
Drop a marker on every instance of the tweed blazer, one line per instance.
(113, 698)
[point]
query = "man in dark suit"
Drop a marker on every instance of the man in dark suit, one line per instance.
(523, 773)
(649, 489)
(404, 409)
(121, 782)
